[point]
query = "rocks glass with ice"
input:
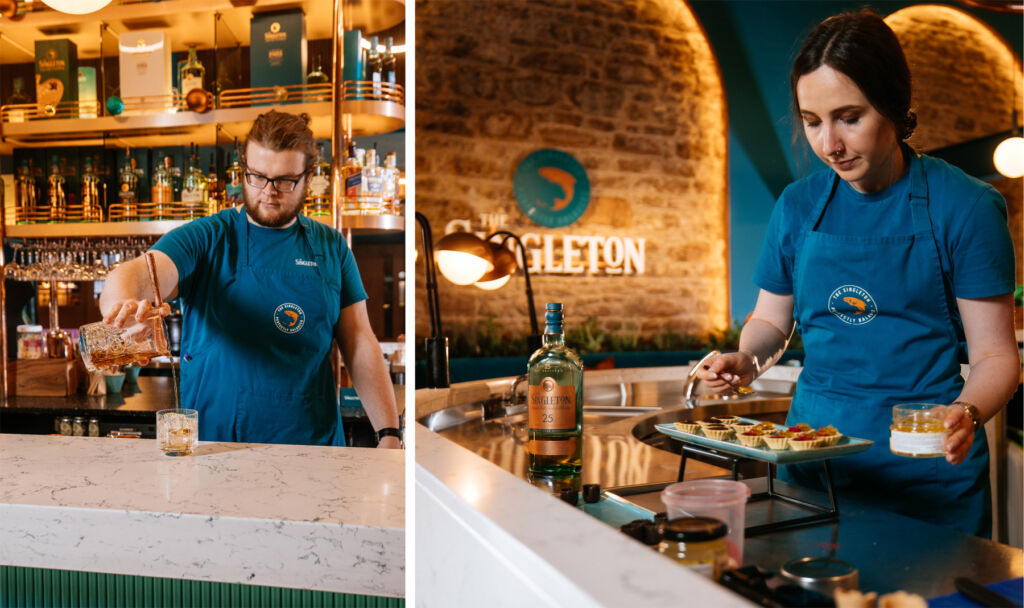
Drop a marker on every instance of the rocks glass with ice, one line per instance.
(177, 431)
(107, 346)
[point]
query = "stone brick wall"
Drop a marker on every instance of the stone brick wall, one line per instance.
(967, 81)
(629, 88)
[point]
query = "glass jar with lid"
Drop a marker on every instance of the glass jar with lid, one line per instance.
(918, 430)
(30, 341)
(697, 543)
(65, 426)
(94, 427)
(78, 427)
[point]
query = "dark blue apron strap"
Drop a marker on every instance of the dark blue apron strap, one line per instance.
(315, 249)
(924, 230)
(242, 231)
(818, 213)
(811, 224)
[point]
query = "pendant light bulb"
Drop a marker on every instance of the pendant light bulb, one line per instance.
(1009, 157)
(76, 7)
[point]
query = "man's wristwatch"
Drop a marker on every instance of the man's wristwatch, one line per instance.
(389, 432)
(971, 411)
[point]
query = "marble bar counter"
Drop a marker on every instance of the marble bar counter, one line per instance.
(298, 517)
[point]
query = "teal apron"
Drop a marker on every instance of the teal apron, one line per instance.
(880, 328)
(256, 365)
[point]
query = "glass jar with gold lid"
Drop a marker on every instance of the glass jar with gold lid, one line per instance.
(697, 543)
(918, 430)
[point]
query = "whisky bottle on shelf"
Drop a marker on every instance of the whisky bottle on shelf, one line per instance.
(25, 195)
(388, 65)
(318, 190)
(162, 191)
(317, 76)
(374, 66)
(371, 188)
(555, 402)
(92, 200)
(192, 73)
(233, 181)
(351, 176)
(128, 190)
(391, 175)
(56, 194)
(18, 97)
(216, 193)
(195, 191)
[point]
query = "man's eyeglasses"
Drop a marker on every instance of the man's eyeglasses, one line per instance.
(281, 184)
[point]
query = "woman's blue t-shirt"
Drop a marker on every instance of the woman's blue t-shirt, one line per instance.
(968, 217)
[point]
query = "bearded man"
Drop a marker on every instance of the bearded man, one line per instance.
(264, 291)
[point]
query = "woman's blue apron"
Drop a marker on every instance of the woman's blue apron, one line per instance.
(267, 377)
(880, 328)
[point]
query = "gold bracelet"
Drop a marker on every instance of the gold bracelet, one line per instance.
(971, 411)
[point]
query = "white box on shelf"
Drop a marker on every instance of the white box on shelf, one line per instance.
(145, 63)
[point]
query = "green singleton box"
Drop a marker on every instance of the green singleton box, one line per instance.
(277, 55)
(56, 74)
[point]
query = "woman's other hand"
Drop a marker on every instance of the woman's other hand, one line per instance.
(726, 372)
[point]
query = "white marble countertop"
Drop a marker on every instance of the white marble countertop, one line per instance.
(568, 557)
(304, 517)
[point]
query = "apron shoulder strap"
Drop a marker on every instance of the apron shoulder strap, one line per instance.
(818, 213)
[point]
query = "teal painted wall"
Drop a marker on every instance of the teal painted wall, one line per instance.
(756, 41)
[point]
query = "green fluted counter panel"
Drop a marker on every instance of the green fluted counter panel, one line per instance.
(43, 588)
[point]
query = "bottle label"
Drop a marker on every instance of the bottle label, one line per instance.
(917, 443)
(319, 185)
(233, 191)
(189, 195)
(190, 82)
(552, 447)
(352, 183)
(552, 407)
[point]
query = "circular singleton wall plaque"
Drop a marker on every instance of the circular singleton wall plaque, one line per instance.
(551, 188)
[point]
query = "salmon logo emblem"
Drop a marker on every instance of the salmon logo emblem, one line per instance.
(548, 384)
(551, 188)
(852, 305)
(289, 318)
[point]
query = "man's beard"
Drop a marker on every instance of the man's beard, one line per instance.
(254, 211)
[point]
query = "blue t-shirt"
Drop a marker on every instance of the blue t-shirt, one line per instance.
(968, 219)
(286, 249)
(852, 213)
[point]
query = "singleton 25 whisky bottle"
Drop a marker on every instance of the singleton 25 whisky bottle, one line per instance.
(555, 402)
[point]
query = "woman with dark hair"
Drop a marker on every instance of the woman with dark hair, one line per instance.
(897, 268)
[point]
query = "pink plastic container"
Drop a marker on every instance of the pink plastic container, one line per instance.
(722, 499)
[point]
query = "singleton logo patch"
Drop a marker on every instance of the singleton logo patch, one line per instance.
(289, 318)
(852, 305)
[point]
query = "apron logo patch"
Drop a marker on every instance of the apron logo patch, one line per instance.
(289, 318)
(852, 305)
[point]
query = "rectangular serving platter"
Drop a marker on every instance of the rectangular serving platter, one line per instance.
(845, 447)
